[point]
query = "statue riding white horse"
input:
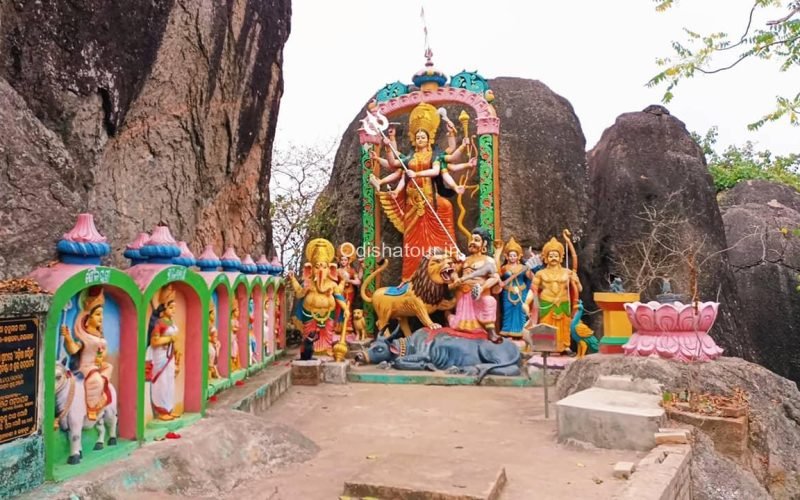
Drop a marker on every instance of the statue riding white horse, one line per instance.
(72, 414)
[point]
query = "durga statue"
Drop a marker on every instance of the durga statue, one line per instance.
(418, 206)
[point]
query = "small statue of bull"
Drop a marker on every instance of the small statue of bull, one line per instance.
(444, 349)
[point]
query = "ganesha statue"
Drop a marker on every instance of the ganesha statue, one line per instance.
(318, 296)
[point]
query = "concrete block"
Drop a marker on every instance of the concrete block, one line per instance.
(306, 372)
(420, 477)
(611, 419)
(628, 383)
(335, 372)
(623, 470)
(671, 438)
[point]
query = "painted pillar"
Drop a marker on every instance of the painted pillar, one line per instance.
(617, 328)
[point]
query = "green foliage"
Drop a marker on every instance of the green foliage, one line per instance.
(741, 163)
(778, 41)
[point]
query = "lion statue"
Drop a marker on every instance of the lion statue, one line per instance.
(425, 293)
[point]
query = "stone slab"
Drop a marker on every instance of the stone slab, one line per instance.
(628, 383)
(306, 372)
(335, 372)
(623, 470)
(611, 419)
(672, 437)
(417, 477)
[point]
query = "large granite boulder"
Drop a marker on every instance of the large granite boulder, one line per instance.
(542, 165)
(766, 267)
(38, 182)
(648, 161)
(774, 419)
(165, 110)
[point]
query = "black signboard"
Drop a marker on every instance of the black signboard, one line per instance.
(18, 377)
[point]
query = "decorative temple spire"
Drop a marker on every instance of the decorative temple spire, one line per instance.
(161, 248)
(230, 261)
(83, 244)
(262, 264)
(186, 257)
(208, 260)
(133, 249)
(249, 265)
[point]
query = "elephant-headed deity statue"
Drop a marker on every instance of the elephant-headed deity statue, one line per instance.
(317, 297)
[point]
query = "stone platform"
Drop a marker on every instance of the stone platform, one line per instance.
(415, 477)
(611, 418)
(373, 375)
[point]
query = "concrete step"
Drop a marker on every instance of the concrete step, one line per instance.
(259, 392)
(610, 418)
(419, 477)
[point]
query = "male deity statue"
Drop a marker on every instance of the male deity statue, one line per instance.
(476, 308)
(557, 289)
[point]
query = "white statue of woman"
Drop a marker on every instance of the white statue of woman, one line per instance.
(165, 358)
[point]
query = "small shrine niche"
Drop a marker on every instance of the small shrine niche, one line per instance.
(175, 334)
(430, 168)
(91, 379)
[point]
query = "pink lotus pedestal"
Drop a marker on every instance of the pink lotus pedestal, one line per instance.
(672, 331)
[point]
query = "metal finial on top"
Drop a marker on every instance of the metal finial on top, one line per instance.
(428, 51)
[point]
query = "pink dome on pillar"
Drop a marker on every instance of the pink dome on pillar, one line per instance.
(84, 231)
(185, 251)
(208, 253)
(230, 254)
(139, 241)
(161, 236)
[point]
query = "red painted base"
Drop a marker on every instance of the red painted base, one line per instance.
(610, 349)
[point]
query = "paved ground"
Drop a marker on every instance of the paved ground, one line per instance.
(355, 424)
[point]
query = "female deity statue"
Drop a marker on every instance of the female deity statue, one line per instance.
(516, 279)
(251, 335)
(214, 344)
(89, 351)
(162, 353)
(405, 206)
(235, 364)
(266, 335)
(349, 279)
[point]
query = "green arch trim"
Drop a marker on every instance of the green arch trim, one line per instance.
(241, 279)
(69, 288)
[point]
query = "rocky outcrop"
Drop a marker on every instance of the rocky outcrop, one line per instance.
(542, 162)
(766, 265)
(38, 180)
(648, 161)
(774, 418)
(154, 111)
(244, 448)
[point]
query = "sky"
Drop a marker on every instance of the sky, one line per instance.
(597, 54)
